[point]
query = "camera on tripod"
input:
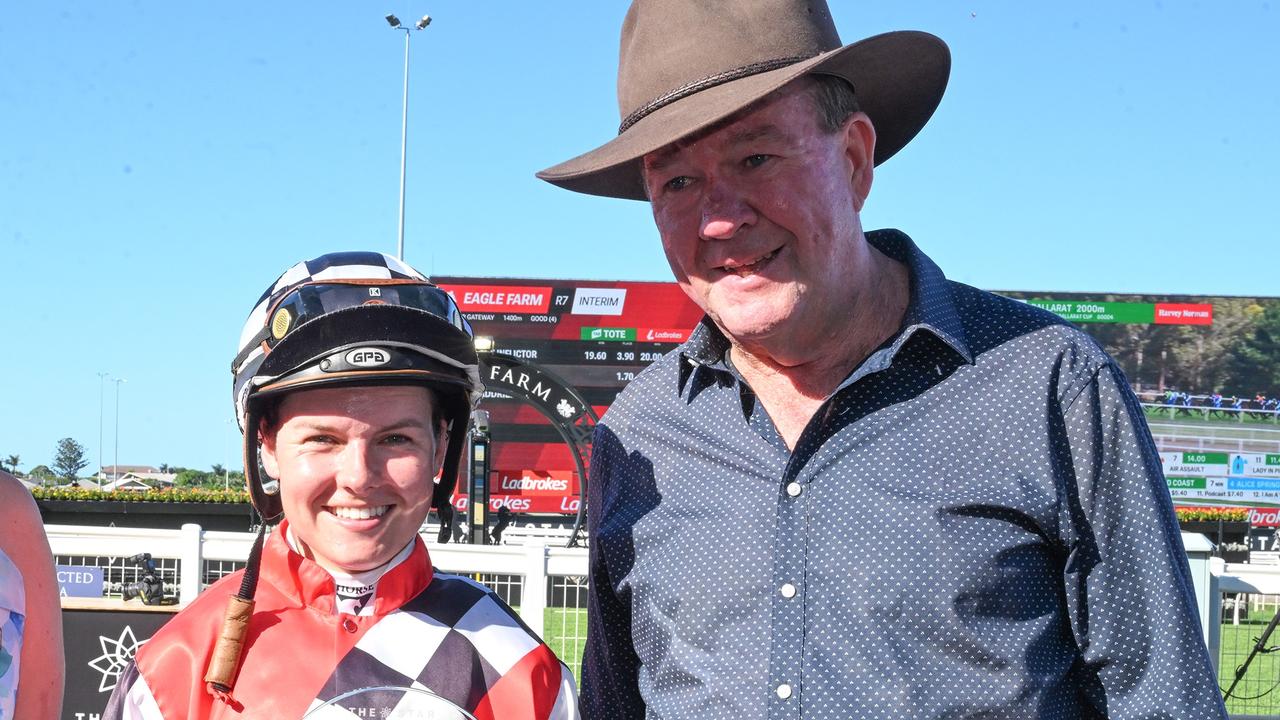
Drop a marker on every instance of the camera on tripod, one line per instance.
(150, 588)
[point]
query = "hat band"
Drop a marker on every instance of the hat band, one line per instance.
(699, 85)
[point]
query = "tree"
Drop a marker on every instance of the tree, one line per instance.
(218, 469)
(189, 478)
(70, 458)
(13, 461)
(1256, 364)
(41, 473)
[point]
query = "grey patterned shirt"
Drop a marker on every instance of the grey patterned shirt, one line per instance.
(973, 525)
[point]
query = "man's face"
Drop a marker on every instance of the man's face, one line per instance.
(356, 468)
(759, 218)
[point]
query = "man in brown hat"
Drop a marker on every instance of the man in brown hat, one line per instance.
(859, 489)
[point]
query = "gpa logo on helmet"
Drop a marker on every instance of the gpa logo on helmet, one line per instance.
(368, 357)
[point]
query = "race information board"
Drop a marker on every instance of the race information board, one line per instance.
(1223, 478)
(596, 336)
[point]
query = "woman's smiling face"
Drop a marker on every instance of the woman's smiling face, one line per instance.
(357, 469)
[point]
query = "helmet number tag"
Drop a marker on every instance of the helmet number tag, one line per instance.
(368, 357)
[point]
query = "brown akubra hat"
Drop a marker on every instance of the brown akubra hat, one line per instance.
(686, 64)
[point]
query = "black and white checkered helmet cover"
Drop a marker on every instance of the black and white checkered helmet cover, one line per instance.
(331, 267)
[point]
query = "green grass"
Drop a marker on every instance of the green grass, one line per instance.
(1162, 415)
(1263, 676)
(566, 635)
(564, 630)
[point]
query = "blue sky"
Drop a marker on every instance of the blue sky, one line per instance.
(160, 164)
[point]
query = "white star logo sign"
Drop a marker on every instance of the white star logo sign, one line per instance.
(115, 656)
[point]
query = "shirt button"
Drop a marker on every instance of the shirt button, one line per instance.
(794, 489)
(788, 590)
(349, 625)
(784, 691)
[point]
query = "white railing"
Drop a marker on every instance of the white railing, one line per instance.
(1197, 443)
(1200, 437)
(192, 546)
(522, 533)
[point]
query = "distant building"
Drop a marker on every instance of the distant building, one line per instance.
(82, 483)
(109, 473)
(141, 481)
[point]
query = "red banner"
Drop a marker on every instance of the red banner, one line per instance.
(1183, 314)
(1264, 517)
(559, 504)
(500, 298)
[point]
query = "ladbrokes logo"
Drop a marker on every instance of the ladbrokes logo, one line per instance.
(1264, 517)
(671, 335)
(500, 298)
(513, 503)
(534, 483)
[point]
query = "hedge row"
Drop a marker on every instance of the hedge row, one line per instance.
(168, 495)
(1211, 514)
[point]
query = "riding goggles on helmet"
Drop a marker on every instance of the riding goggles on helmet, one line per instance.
(309, 301)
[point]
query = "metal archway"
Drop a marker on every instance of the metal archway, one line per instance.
(570, 414)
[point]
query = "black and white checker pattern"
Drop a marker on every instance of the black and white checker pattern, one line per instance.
(456, 639)
(334, 266)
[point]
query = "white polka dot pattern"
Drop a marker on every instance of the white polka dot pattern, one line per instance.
(974, 525)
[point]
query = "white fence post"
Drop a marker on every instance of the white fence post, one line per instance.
(533, 596)
(192, 556)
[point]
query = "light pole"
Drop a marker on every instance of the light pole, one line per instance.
(478, 480)
(116, 469)
(226, 455)
(102, 381)
(394, 22)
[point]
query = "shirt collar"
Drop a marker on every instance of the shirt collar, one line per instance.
(930, 308)
(306, 583)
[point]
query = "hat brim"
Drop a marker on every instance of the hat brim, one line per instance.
(898, 77)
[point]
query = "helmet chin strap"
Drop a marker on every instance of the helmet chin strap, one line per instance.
(265, 500)
(460, 416)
